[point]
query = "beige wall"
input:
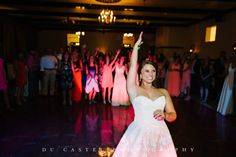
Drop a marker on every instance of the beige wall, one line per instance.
(105, 41)
(225, 37)
(52, 39)
(186, 36)
(173, 39)
(16, 37)
(108, 40)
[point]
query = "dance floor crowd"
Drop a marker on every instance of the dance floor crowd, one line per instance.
(77, 73)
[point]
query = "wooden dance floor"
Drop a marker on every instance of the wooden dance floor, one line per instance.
(43, 127)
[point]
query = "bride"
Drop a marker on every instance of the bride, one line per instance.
(225, 105)
(147, 135)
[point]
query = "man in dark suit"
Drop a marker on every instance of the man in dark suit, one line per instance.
(195, 75)
(220, 73)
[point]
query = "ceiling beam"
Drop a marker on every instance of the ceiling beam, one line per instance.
(55, 4)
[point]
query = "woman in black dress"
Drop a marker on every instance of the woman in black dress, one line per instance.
(66, 77)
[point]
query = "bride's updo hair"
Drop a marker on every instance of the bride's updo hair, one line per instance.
(154, 83)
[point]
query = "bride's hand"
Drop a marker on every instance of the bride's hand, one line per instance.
(139, 41)
(159, 115)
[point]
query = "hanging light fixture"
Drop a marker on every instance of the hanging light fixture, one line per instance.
(128, 40)
(234, 48)
(108, 1)
(106, 16)
(191, 49)
(80, 33)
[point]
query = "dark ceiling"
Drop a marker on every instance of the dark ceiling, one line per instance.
(131, 15)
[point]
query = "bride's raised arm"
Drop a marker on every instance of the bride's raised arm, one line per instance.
(132, 87)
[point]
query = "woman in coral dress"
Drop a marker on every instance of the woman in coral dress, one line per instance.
(147, 135)
(174, 79)
(119, 94)
(77, 67)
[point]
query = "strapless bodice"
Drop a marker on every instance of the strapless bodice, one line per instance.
(145, 107)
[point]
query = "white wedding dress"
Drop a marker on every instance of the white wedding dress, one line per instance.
(225, 104)
(146, 136)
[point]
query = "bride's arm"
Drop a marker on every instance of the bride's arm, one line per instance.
(131, 78)
(169, 114)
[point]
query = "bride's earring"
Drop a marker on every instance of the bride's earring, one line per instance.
(140, 78)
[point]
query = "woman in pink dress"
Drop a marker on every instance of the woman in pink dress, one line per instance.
(148, 134)
(174, 78)
(21, 74)
(119, 94)
(107, 78)
(3, 83)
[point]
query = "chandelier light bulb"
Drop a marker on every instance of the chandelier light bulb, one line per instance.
(106, 16)
(128, 35)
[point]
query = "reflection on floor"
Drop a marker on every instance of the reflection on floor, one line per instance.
(46, 128)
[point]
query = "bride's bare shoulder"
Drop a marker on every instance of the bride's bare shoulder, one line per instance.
(163, 91)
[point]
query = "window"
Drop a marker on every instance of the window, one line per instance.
(210, 34)
(73, 39)
(128, 40)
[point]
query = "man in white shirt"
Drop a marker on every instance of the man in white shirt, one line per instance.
(48, 65)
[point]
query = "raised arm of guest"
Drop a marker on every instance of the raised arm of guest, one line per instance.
(114, 60)
(113, 68)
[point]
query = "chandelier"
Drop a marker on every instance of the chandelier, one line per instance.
(106, 16)
(108, 1)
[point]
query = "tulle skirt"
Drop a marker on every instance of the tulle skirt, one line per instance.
(146, 141)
